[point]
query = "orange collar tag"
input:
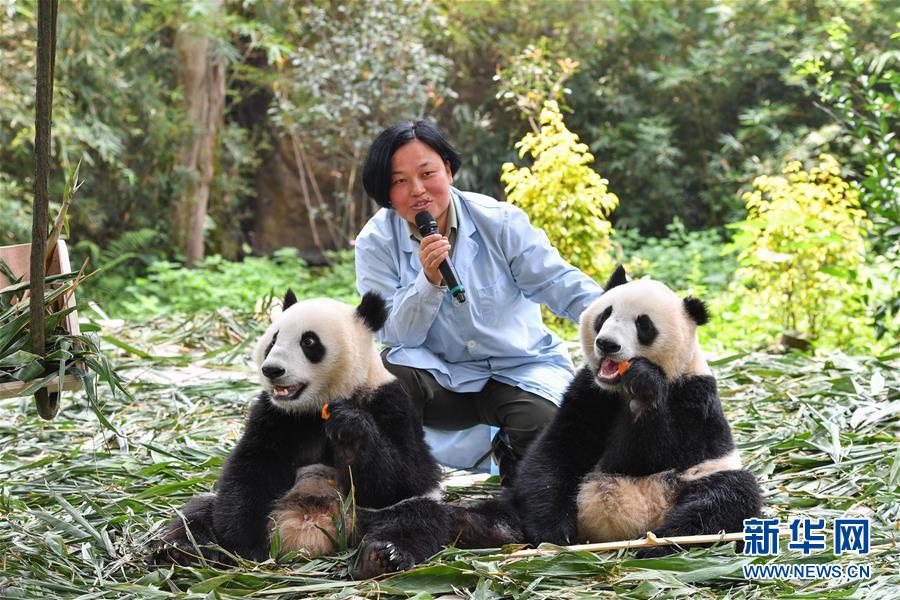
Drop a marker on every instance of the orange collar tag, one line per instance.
(326, 414)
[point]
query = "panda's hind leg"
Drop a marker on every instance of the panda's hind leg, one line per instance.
(377, 557)
(400, 536)
(186, 540)
(717, 502)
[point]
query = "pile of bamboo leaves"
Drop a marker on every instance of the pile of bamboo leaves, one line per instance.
(67, 353)
(80, 503)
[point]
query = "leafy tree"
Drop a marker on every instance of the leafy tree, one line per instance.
(201, 77)
(802, 252)
(353, 69)
(484, 39)
(860, 88)
(112, 110)
(562, 194)
(532, 78)
(666, 97)
(117, 108)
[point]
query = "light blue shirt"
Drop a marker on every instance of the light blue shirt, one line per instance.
(508, 268)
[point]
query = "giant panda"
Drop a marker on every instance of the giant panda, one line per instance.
(326, 399)
(640, 443)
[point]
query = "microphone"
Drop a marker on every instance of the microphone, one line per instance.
(428, 226)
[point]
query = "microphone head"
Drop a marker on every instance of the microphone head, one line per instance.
(426, 223)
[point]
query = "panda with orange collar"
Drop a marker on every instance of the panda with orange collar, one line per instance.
(640, 443)
(327, 403)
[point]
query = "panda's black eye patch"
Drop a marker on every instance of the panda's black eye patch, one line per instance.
(646, 330)
(312, 347)
(271, 344)
(602, 317)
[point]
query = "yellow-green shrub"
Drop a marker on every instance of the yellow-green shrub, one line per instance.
(563, 195)
(802, 252)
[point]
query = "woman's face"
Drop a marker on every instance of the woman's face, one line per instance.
(420, 180)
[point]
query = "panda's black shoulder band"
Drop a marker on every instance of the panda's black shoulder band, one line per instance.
(372, 310)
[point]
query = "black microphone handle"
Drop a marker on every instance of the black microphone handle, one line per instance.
(451, 280)
(428, 226)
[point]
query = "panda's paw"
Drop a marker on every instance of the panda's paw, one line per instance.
(561, 533)
(348, 426)
(377, 558)
(173, 554)
(645, 382)
(655, 552)
(186, 554)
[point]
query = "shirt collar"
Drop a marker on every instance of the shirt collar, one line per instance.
(452, 222)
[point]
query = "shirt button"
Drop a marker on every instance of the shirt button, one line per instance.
(471, 343)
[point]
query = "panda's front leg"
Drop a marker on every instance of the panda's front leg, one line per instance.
(644, 385)
(350, 431)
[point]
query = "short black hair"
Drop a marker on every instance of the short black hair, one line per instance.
(376, 173)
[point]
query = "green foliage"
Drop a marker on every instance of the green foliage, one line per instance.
(684, 103)
(687, 261)
(217, 283)
(334, 107)
(66, 353)
(114, 111)
(562, 194)
(802, 252)
(483, 39)
(385, 72)
(862, 86)
(15, 212)
(883, 295)
(120, 261)
(859, 84)
(534, 77)
(118, 109)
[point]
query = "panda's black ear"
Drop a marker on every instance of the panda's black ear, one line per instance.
(289, 299)
(372, 310)
(617, 278)
(696, 308)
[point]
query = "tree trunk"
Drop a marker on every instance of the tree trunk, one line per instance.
(202, 77)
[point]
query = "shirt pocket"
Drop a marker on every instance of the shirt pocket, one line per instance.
(487, 298)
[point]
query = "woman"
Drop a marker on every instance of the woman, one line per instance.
(488, 360)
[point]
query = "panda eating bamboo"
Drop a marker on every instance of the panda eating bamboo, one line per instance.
(640, 443)
(330, 422)
(327, 400)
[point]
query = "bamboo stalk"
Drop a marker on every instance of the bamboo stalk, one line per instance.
(71, 187)
(648, 541)
(47, 404)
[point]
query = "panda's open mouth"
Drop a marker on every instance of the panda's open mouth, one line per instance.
(610, 370)
(287, 392)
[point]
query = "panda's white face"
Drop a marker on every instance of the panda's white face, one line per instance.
(645, 319)
(317, 351)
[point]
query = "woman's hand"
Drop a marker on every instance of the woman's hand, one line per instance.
(433, 250)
